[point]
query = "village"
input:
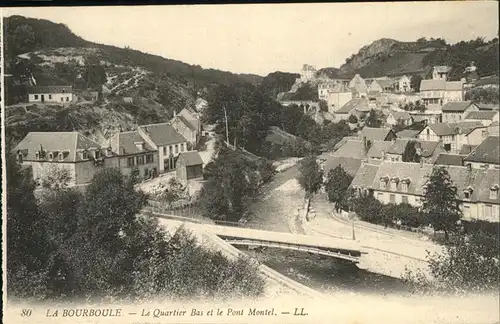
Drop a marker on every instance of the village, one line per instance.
(131, 176)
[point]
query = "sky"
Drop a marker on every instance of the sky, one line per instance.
(263, 38)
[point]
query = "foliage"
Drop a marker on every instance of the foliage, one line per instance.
(470, 263)
(310, 176)
(440, 201)
(368, 208)
(323, 106)
(417, 106)
(337, 185)
(353, 119)
(95, 246)
(373, 119)
(483, 95)
(307, 91)
(56, 177)
(410, 153)
(278, 82)
(415, 82)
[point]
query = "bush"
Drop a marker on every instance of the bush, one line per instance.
(353, 119)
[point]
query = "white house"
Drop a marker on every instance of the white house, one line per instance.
(338, 97)
(485, 155)
(308, 72)
(404, 84)
(51, 94)
(487, 118)
(440, 92)
(440, 72)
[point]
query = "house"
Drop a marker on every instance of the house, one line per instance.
(483, 106)
(337, 97)
(486, 154)
(427, 116)
(375, 87)
(450, 159)
(429, 150)
(440, 72)
(51, 94)
(398, 118)
(189, 166)
(351, 148)
(133, 152)
(485, 117)
(358, 87)
(188, 124)
(380, 134)
(400, 182)
(377, 149)
(404, 84)
(456, 111)
(493, 129)
(440, 92)
(467, 149)
(308, 72)
(48, 151)
(455, 135)
(167, 141)
(357, 107)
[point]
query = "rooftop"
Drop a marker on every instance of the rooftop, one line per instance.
(450, 159)
(456, 106)
(52, 89)
(124, 143)
(350, 165)
(360, 104)
(486, 152)
(482, 115)
(191, 158)
(162, 134)
(372, 133)
(67, 143)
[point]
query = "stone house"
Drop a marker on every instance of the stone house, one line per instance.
(457, 111)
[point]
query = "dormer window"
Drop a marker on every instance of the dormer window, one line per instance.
(84, 155)
(108, 151)
(37, 156)
(51, 156)
(61, 156)
(20, 157)
(383, 182)
(97, 154)
(394, 183)
(494, 192)
(405, 184)
(468, 192)
(139, 145)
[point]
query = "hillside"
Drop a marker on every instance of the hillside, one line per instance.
(391, 57)
(136, 87)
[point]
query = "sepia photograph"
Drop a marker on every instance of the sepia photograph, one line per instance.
(251, 163)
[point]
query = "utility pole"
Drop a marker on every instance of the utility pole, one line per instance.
(227, 130)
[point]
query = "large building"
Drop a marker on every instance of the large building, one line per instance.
(440, 92)
(188, 124)
(51, 94)
(47, 152)
(457, 111)
(486, 154)
(403, 182)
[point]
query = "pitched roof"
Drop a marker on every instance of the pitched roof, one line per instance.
(353, 148)
(184, 121)
(488, 106)
(450, 159)
(454, 85)
(361, 104)
(490, 179)
(52, 89)
(398, 146)
(365, 176)
(386, 83)
(426, 85)
(162, 134)
(486, 152)
(482, 115)
(66, 142)
(126, 141)
(456, 106)
(378, 149)
(350, 165)
(372, 133)
(407, 133)
(190, 117)
(191, 158)
(428, 148)
(443, 129)
(467, 148)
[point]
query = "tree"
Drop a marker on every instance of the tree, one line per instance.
(410, 153)
(56, 177)
(415, 82)
(441, 205)
(372, 120)
(310, 176)
(353, 119)
(323, 105)
(337, 185)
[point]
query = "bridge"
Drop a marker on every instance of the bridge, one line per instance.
(327, 246)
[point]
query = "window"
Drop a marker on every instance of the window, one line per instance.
(36, 97)
(51, 156)
(404, 199)
(97, 154)
(20, 158)
(171, 149)
(447, 147)
(487, 211)
(130, 161)
(37, 156)
(61, 156)
(485, 133)
(164, 150)
(67, 98)
(182, 147)
(62, 99)
(140, 160)
(84, 156)
(494, 192)
(392, 198)
(383, 184)
(149, 158)
(176, 148)
(50, 96)
(404, 186)
(466, 211)
(394, 185)
(380, 196)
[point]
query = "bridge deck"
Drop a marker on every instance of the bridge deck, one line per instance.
(325, 243)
